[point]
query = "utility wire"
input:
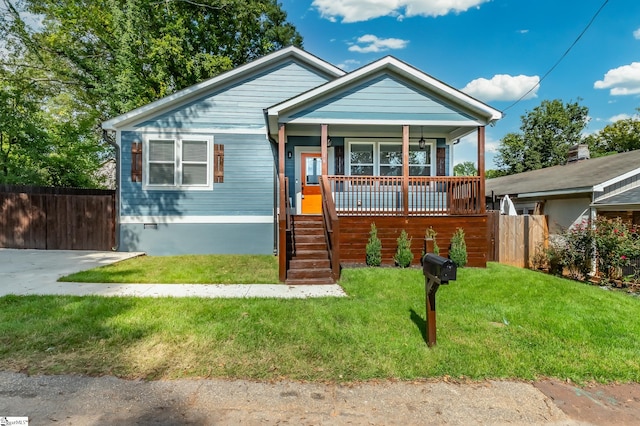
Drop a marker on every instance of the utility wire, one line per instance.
(561, 58)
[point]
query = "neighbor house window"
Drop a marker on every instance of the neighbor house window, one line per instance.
(180, 163)
(385, 158)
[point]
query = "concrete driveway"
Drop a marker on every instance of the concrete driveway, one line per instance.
(37, 271)
(24, 272)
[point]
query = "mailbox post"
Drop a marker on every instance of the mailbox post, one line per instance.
(437, 270)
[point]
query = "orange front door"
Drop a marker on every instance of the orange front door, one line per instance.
(311, 172)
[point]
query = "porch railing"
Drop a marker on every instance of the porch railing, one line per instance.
(386, 195)
(331, 226)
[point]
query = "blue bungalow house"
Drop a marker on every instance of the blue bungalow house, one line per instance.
(290, 155)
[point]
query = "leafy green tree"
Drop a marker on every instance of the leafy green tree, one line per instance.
(547, 133)
(467, 168)
(492, 173)
(621, 136)
(85, 61)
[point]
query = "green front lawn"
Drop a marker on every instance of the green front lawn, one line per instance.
(499, 322)
(187, 269)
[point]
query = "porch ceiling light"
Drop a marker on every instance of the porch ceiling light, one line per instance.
(421, 143)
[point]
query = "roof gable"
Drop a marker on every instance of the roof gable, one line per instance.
(206, 87)
(415, 91)
(382, 97)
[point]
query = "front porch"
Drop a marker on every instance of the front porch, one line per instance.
(349, 204)
(389, 160)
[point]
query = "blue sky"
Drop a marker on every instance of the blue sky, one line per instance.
(494, 50)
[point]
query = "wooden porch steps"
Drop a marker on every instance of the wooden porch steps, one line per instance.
(309, 258)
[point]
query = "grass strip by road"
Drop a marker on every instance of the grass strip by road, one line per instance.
(187, 269)
(499, 322)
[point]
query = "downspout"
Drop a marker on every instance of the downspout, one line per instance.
(107, 135)
(275, 187)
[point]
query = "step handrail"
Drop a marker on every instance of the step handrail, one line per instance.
(331, 224)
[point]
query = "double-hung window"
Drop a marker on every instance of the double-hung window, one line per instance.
(179, 162)
(385, 158)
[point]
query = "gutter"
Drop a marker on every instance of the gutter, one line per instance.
(108, 135)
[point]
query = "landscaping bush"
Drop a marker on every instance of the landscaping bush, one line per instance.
(616, 244)
(611, 242)
(374, 247)
(458, 252)
(403, 256)
(431, 234)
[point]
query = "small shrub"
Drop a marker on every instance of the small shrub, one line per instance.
(403, 256)
(540, 258)
(431, 233)
(458, 252)
(374, 247)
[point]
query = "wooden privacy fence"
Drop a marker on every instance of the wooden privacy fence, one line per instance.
(517, 238)
(56, 218)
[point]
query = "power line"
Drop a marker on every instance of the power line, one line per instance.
(561, 58)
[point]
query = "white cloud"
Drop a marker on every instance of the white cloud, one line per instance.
(364, 10)
(349, 64)
(503, 87)
(624, 80)
(370, 43)
(636, 34)
(619, 117)
(523, 31)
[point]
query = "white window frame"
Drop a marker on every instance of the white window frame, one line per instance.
(178, 163)
(430, 145)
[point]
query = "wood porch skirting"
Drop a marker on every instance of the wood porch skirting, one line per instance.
(354, 234)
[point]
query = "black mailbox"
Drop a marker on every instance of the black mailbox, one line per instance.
(437, 270)
(442, 268)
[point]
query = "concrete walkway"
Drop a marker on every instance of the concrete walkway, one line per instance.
(26, 272)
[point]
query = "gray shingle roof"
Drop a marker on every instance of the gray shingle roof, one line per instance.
(573, 176)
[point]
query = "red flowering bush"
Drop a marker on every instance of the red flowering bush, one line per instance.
(616, 244)
(612, 243)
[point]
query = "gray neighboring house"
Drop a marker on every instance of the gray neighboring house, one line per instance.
(606, 186)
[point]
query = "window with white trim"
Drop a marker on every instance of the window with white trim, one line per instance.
(179, 162)
(385, 158)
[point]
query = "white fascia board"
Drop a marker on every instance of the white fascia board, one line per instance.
(420, 78)
(542, 194)
(377, 122)
(207, 130)
(603, 185)
(614, 207)
(182, 96)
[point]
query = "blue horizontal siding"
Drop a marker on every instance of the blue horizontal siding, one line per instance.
(247, 188)
(241, 104)
(173, 239)
(383, 98)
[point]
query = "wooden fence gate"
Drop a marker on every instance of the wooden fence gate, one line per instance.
(56, 218)
(516, 238)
